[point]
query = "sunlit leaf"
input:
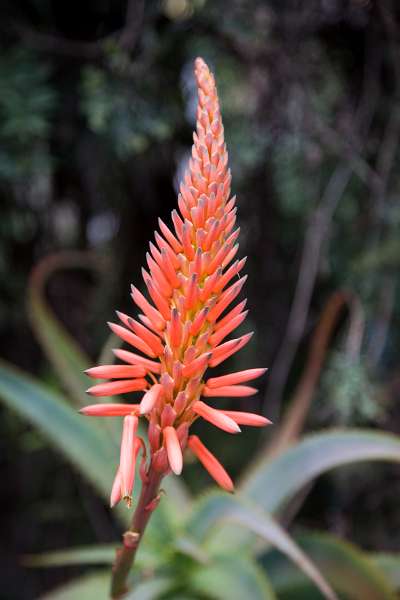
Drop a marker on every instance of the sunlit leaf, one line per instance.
(232, 577)
(218, 508)
(83, 444)
(271, 483)
(82, 555)
(389, 564)
(88, 587)
(149, 590)
(102, 554)
(350, 571)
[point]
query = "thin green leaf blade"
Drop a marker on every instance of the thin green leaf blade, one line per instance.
(150, 590)
(351, 572)
(273, 482)
(217, 509)
(102, 554)
(68, 360)
(232, 577)
(389, 564)
(88, 587)
(95, 586)
(81, 442)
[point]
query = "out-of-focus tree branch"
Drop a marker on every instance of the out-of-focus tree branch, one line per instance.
(316, 232)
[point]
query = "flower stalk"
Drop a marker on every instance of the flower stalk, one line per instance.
(147, 503)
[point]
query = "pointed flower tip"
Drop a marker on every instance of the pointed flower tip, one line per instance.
(210, 463)
(174, 451)
(216, 417)
(150, 399)
(116, 490)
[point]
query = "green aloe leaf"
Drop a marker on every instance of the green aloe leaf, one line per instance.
(79, 439)
(232, 577)
(95, 586)
(102, 554)
(217, 509)
(67, 358)
(82, 440)
(87, 587)
(352, 573)
(147, 557)
(389, 564)
(62, 351)
(150, 590)
(271, 483)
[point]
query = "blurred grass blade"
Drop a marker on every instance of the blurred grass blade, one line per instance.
(271, 483)
(217, 508)
(352, 573)
(152, 589)
(68, 360)
(190, 547)
(389, 564)
(96, 587)
(234, 578)
(87, 587)
(82, 555)
(102, 554)
(83, 444)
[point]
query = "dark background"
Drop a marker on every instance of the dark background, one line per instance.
(96, 114)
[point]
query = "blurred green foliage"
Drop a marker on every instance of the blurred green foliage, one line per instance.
(27, 102)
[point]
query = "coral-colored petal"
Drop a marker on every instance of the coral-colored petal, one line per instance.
(174, 450)
(230, 315)
(175, 329)
(217, 337)
(116, 492)
(109, 410)
(197, 366)
(233, 391)
(152, 340)
(225, 300)
(116, 372)
(233, 378)
(150, 398)
(244, 418)
(135, 359)
(215, 417)
(225, 350)
(127, 456)
(152, 313)
(210, 463)
(228, 275)
(117, 387)
(132, 339)
(169, 236)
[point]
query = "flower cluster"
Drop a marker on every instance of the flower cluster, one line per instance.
(192, 281)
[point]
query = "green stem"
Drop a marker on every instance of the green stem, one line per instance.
(132, 537)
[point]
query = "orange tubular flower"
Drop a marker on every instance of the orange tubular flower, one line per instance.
(181, 329)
